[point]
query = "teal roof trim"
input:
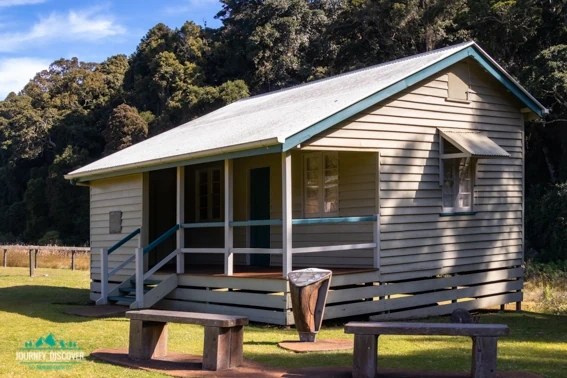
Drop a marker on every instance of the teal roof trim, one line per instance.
(409, 81)
(511, 85)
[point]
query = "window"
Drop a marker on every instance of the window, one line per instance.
(457, 179)
(459, 151)
(208, 190)
(457, 185)
(321, 184)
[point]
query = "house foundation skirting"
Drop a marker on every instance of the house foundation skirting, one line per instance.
(352, 294)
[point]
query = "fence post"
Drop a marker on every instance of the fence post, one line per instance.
(32, 262)
(139, 277)
(35, 259)
(103, 276)
(72, 260)
(5, 260)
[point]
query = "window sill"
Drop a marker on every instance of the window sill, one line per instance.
(457, 213)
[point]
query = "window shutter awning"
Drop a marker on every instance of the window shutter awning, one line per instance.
(473, 143)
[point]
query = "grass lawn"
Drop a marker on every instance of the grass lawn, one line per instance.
(33, 307)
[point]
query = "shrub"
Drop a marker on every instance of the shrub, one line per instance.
(546, 222)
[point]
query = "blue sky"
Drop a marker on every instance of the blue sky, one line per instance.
(34, 33)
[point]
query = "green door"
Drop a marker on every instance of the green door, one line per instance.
(260, 209)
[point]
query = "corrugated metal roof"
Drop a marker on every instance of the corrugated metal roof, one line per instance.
(474, 143)
(266, 120)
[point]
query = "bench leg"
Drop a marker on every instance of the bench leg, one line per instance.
(236, 341)
(484, 357)
(365, 356)
(222, 348)
(147, 340)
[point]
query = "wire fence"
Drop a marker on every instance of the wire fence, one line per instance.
(34, 256)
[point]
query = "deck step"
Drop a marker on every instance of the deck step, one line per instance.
(146, 282)
(131, 290)
(121, 299)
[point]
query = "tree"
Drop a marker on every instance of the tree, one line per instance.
(266, 42)
(125, 127)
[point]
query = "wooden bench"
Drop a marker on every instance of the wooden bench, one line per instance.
(223, 336)
(484, 336)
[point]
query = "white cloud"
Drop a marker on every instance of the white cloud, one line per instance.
(16, 72)
(85, 25)
(13, 3)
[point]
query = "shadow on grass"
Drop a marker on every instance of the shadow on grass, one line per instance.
(45, 302)
(536, 344)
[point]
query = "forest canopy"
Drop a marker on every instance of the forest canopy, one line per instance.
(75, 112)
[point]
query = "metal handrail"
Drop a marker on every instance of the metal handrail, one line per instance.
(161, 238)
(124, 240)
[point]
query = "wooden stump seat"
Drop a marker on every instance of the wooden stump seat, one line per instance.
(222, 347)
(484, 336)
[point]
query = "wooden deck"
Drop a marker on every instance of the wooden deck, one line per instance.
(246, 271)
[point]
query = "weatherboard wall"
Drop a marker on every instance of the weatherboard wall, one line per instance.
(416, 241)
(123, 194)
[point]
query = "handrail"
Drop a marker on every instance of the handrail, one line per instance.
(257, 222)
(278, 222)
(368, 218)
(203, 225)
(161, 238)
(124, 240)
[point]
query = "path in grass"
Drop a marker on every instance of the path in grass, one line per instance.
(33, 307)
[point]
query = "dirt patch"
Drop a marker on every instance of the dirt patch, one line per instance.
(318, 346)
(186, 365)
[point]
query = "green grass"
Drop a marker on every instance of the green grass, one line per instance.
(33, 307)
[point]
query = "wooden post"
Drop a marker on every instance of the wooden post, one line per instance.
(376, 260)
(32, 262)
(365, 356)
(5, 260)
(519, 306)
(35, 258)
(73, 260)
(180, 219)
(484, 357)
(147, 340)
(228, 215)
(222, 347)
(287, 247)
(103, 277)
(139, 277)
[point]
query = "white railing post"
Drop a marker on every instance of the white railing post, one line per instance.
(376, 259)
(139, 277)
(180, 219)
(103, 276)
(287, 248)
(228, 215)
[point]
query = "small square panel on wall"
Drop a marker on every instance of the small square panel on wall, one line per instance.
(115, 222)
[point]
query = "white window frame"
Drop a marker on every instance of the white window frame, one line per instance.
(464, 168)
(209, 171)
(322, 177)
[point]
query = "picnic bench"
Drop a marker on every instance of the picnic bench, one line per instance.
(222, 347)
(484, 336)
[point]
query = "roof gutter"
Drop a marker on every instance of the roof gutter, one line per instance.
(185, 159)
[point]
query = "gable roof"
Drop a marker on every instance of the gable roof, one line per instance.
(280, 120)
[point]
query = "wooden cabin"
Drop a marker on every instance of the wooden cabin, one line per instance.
(406, 179)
